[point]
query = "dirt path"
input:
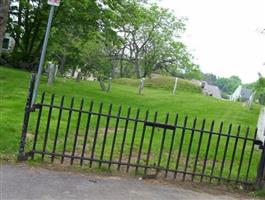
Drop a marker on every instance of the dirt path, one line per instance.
(24, 182)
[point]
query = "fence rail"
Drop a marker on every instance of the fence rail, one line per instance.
(132, 141)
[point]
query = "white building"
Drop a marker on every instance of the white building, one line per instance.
(8, 43)
(210, 90)
(242, 94)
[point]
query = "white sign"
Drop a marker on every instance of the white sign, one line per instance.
(54, 2)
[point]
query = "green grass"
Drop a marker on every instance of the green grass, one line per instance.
(156, 97)
(161, 82)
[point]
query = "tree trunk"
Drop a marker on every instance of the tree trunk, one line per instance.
(121, 69)
(137, 69)
(4, 9)
(62, 64)
(121, 63)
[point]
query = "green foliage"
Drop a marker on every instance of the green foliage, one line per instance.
(149, 41)
(251, 86)
(260, 90)
(229, 85)
(132, 38)
(260, 86)
(259, 193)
(72, 21)
(210, 78)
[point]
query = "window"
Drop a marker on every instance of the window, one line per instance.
(5, 43)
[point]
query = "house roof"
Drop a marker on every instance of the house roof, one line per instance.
(245, 93)
(212, 90)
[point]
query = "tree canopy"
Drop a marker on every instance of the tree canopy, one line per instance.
(131, 38)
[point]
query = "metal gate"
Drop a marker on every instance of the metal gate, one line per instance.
(109, 137)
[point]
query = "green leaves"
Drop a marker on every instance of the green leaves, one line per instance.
(129, 37)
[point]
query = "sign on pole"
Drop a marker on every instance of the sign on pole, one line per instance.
(54, 2)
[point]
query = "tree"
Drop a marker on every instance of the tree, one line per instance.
(95, 60)
(102, 36)
(210, 78)
(75, 23)
(229, 85)
(175, 60)
(27, 26)
(260, 90)
(147, 33)
(4, 8)
(72, 19)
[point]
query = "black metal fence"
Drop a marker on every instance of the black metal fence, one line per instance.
(131, 140)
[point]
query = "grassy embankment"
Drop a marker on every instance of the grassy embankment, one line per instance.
(157, 96)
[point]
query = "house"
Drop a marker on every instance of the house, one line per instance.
(8, 43)
(242, 94)
(210, 90)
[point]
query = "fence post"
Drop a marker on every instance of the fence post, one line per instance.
(261, 168)
(21, 150)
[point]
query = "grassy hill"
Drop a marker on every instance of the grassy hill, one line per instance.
(157, 96)
(161, 82)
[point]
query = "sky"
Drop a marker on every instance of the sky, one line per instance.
(223, 35)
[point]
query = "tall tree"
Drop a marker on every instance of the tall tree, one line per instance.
(72, 19)
(210, 78)
(27, 22)
(228, 85)
(4, 8)
(74, 24)
(149, 39)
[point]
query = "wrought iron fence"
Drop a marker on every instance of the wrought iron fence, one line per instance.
(130, 140)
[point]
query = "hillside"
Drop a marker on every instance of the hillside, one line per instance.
(192, 103)
(161, 82)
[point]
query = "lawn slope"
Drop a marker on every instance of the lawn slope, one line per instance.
(14, 84)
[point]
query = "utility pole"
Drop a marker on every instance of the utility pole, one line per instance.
(53, 3)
